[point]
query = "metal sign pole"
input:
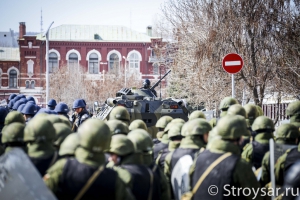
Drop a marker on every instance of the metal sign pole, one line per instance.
(272, 163)
(232, 85)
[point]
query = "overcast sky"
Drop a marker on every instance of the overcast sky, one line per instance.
(83, 12)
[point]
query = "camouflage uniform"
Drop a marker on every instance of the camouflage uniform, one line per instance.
(13, 136)
(224, 106)
(285, 134)
(39, 133)
(193, 132)
(129, 166)
(255, 151)
(61, 132)
(285, 161)
(68, 176)
(79, 118)
(232, 170)
(143, 144)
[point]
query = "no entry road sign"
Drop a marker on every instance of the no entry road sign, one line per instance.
(232, 63)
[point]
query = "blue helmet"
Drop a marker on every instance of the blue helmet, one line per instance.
(32, 102)
(3, 113)
(20, 108)
(37, 108)
(29, 109)
(12, 96)
(62, 108)
(78, 103)
(18, 103)
(30, 98)
(52, 103)
(10, 104)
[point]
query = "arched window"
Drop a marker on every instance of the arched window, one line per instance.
(53, 62)
(114, 62)
(134, 61)
(93, 64)
(27, 84)
(155, 69)
(30, 66)
(32, 84)
(73, 60)
(13, 78)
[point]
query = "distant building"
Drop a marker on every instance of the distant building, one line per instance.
(8, 39)
(97, 48)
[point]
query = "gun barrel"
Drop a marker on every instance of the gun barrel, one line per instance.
(156, 84)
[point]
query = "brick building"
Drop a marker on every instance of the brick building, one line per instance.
(98, 49)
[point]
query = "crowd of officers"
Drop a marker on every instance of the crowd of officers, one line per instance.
(80, 157)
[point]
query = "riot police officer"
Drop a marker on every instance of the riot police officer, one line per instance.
(62, 109)
(39, 134)
(51, 104)
(68, 177)
(80, 114)
(28, 111)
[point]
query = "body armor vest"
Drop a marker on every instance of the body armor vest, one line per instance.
(178, 153)
(75, 176)
(220, 176)
(259, 151)
(140, 178)
(158, 147)
(42, 163)
(162, 157)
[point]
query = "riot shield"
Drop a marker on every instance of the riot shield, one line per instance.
(276, 150)
(180, 176)
(19, 179)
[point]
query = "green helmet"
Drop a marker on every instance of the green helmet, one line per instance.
(287, 131)
(54, 119)
(259, 111)
(163, 121)
(61, 131)
(293, 108)
(39, 129)
(117, 127)
(64, 120)
(69, 145)
(297, 124)
(263, 123)
(120, 113)
(237, 109)
(13, 132)
(94, 135)
(121, 145)
(252, 112)
(195, 127)
(197, 114)
(227, 102)
(232, 127)
(141, 140)
(138, 123)
(177, 120)
(14, 116)
(175, 130)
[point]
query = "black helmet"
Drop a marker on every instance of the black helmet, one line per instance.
(146, 83)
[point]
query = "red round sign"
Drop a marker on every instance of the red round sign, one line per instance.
(232, 63)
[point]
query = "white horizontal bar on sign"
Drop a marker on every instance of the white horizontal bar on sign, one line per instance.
(232, 63)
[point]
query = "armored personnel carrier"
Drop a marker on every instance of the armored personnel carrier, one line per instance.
(143, 104)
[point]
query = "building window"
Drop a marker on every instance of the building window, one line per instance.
(53, 62)
(29, 45)
(13, 78)
(93, 64)
(155, 69)
(73, 60)
(30, 66)
(32, 85)
(27, 84)
(114, 62)
(134, 62)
